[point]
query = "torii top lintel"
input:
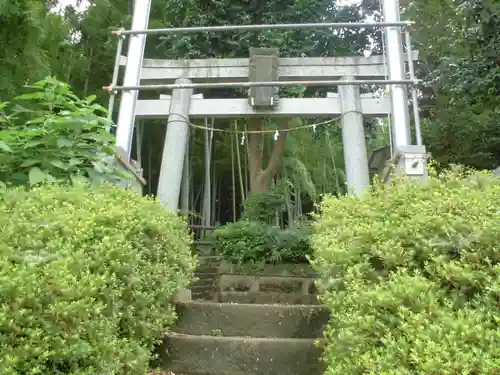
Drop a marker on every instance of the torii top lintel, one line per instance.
(236, 70)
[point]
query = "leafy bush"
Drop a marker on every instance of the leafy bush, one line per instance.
(253, 241)
(87, 278)
(411, 274)
(51, 135)
(264, 206)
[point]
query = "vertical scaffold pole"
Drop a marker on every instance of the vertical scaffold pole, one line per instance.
(395, 62)
(135, 54)
(114, 80)
(414, 96)
(174, 149)
(353, 139)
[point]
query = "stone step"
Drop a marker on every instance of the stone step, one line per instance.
(248, 320)
(205, 277)
(207, 268)
(263, 298)
(204, 280)
(208, 272)
(201, 295)
(209, 261)
(202, 285)
(212, 355)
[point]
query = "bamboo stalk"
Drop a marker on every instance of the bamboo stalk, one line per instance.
(233, 177)
(238, 157)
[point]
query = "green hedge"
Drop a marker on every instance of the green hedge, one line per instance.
(87, 279)
(411, 274)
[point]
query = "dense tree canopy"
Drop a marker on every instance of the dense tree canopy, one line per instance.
(461, 67)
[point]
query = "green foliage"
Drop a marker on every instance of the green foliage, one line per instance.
(297, 171)
(255, 239)
(263, 207)
(87, 279)
(411, 274)
(256, 242)
(236, 44)
(460, 67)
(467, 136)
(22, 33)
(50, 135)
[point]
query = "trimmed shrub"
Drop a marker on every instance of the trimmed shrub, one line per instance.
(87, 279)
(411, 274)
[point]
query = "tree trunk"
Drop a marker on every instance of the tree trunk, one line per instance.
(260, 179)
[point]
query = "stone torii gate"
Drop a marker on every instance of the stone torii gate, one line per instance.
(263, 73)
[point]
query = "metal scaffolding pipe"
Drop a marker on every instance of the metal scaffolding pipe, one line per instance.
(283, 26)
(414, 97)
(132, 76)
(210, 85)
(395, 63)
(114, 80)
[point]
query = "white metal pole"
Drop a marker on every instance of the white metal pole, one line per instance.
(114, 80)
(395, 62)
(135, 54)
(414, 97)
(263, 27)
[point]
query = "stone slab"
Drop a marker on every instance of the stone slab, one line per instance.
(258, 269)
(287, 107)
(237, 70)
(267, 298)
(281, 284)
(184, 295)
(212, 355)
(251, 320)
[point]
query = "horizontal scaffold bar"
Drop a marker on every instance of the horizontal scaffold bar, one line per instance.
(156, 71)
(213, 85)
(287, 107)
(280, 26)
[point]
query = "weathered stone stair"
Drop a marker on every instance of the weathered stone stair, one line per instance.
(206, 278)
(212, 338)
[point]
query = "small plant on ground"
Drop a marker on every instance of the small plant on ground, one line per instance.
(87, 279)
(411, 275)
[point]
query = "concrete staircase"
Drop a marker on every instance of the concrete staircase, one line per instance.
(206, 275)
(212, 338)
